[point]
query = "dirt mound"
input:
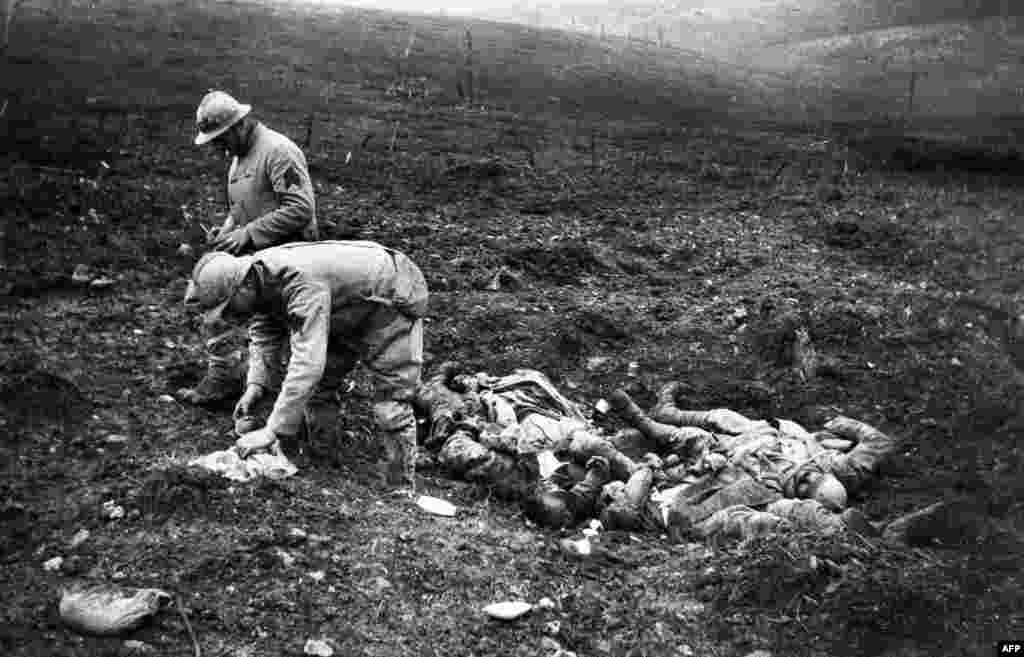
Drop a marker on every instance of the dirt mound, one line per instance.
(562, 264)
(180, 491)
(35, 397)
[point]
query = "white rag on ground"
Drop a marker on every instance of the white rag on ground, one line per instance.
(227, 463)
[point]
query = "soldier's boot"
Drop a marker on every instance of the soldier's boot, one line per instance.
(221, 384)
(398, 428)
(587, 491)
(626, 512)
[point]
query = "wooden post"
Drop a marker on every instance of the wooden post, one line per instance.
(309, 131)
(910, 97)
(468, 69)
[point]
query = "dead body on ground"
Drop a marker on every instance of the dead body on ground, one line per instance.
(691, 474)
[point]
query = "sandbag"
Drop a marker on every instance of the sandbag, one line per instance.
(108, 609)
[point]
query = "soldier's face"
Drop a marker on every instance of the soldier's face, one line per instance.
(226, 143)
(244, 302)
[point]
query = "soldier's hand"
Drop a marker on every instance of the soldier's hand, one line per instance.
(255, 441)
(233, 242)
(214, 233)
(247, 401)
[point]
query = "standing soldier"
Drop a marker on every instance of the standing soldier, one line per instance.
(312, 305)
(271, 203)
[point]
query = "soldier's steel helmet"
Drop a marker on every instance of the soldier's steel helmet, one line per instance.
(217, 112)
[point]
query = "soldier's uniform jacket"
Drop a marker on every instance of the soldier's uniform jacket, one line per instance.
(270, 191)
(321, 289)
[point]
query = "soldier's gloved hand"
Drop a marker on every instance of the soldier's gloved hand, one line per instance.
(233, 242)
(255, 441)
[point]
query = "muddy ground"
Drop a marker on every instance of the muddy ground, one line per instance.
(697, 272)
(694, 251)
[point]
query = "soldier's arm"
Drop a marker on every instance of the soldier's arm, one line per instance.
(289, 178)
(309, 319)
(266, 341)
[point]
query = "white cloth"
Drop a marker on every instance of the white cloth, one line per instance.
(228, 464)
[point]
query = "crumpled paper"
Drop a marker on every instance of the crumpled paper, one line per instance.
(227, 463)
(108, 609)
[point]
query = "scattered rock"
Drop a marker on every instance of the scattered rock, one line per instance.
(81, 536)
(167, 399)
(318, 648)
(185, 250)
(508, 610)
(436, 506)
(54, 564)
(111, 510)
(102, 283)
(115, 439)
(579, 548)
(552, 628)
(108, 609)
(287, 559)
(545, 603)
(758, 653)
(81, 275)
(138, 647)
(547, 643)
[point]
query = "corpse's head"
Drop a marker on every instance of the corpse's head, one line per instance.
(824, 488)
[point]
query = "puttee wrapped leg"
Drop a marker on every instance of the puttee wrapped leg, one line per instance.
(398, 432)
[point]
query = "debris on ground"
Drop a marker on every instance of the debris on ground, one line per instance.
(109, 609)
(54, 564)
(508, 610)
(436, 506)
(317, 648)
(230, 465)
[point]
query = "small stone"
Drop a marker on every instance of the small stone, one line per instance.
(545, 603)
(685, 651)
(547, 643)
(318, 648)
(112, 510)
(296, 532)
(102, 283)
(167, 399)
(602, 406)
(508, 610)
(758, 653)
(138, 647)
(116, 439)
(54, 564)
(552, 628)
(317, 575)
(80, 537)
(185, 250)
(81, 275)
(580, 548)
(286, 559)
